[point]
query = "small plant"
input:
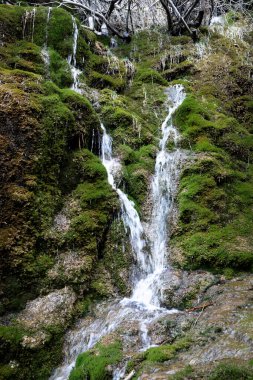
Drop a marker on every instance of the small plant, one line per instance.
(229, 371)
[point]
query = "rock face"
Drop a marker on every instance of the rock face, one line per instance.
(53, 310)
(181, 288)
(220, 329)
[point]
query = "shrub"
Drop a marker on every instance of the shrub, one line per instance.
(231, 371)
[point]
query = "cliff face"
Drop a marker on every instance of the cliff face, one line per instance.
(61, 237)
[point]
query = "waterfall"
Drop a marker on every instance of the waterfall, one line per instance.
(129, 214)
(29, 17)
(44, 51)
(72, 58)
(143, 307)
(163, 192)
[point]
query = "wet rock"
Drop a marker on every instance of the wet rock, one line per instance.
(53, 310)
(220, 332)
(61, 222)
(168, 328)
(185, 289)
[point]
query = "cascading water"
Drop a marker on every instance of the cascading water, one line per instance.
(44, 52)
(143, 307)
(163, 191)
(130, 216)
(28, 21)
(72, 58)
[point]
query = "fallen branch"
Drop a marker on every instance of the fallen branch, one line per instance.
(200, 307)
(130, 375)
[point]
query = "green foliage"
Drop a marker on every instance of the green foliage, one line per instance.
(230, 371)
(92, 364)
(182, 374)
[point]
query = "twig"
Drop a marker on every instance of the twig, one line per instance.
(200, 307)
(130, 375)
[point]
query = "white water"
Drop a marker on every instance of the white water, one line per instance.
(129, 214)
(72, 58)
(33, 22)
(164, 186)
(143, 307)
(29, 16)
(44, 51)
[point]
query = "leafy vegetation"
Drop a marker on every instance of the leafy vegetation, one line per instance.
(229, 371)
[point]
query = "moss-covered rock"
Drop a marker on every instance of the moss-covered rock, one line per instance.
(94, 363)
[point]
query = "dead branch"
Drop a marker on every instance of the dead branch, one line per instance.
(200, 307)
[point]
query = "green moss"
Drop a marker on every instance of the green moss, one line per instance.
(22, 55)
(203, 144)
(166, 352)
(178, 71)
(118, 256)
(59, 70)
(101, 81)
(40, 26)
(220, 247)
(92, 364)
(137, 181)
(180, 40)
(60, 32)
(88, 194)
(114, 117)
(11, 334)
(215, 189)
(18, 361)
(10, 21)
(160, 354)
(149, 75)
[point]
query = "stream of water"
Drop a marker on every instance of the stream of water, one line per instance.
(143, 306)
(44, 51)
(72, 58)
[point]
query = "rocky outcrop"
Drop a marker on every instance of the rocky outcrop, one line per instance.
(53, 309)
(218, 330)
(185, 289)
